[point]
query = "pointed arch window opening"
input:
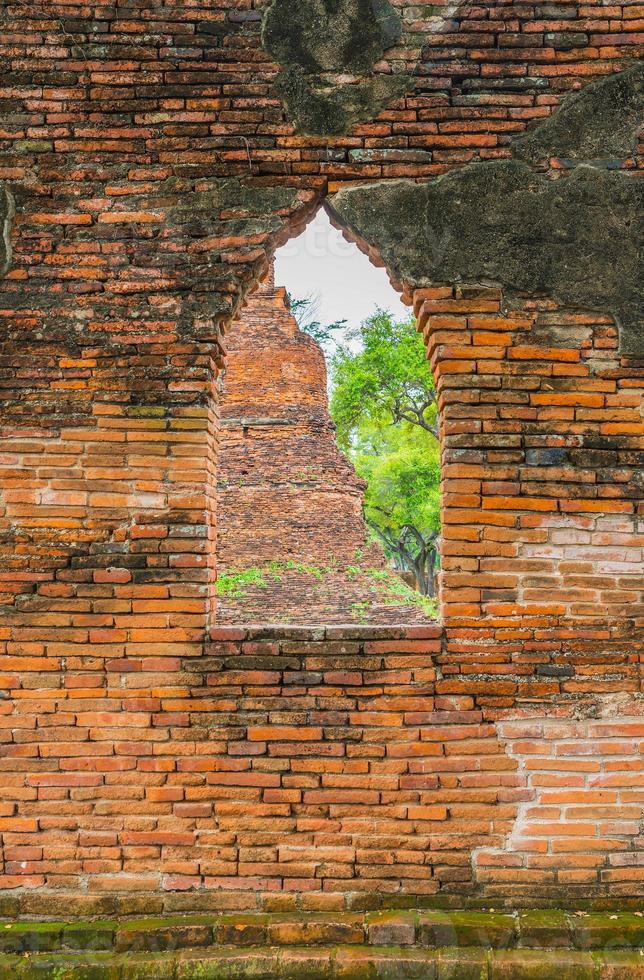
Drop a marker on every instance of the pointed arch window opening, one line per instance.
(305, 534)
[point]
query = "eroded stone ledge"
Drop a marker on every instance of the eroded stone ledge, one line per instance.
(356, 963)
(423, 928)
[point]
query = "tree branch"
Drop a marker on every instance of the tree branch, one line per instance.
(414, 414)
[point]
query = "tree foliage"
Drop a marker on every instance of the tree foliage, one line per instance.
(387, 378)
(383, 403)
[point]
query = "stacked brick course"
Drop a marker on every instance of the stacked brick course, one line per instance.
(149, 173)
(542, 433)
(312, 766)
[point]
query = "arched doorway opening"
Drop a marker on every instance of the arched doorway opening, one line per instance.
(328, 504)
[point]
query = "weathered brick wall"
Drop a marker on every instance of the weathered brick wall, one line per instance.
(149, 171)
(541, 457)
(322, 767)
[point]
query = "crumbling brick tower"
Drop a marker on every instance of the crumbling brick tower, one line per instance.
(153, 157)
(279, 459)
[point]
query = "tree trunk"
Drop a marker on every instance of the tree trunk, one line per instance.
(422, 561)
(418, 557)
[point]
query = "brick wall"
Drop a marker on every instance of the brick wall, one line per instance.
(579, 822)
(154, 172)
(541, 435)
(321, 767)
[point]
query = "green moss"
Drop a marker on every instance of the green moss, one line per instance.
(101, 966)
(163, 922)
(227, 964)
(385, 963)
(462, 964)
(22, 927)
(489, 930)
(462, 946)
(606, 930)
(544, 927)
(30, 937)
(147, 966)
(89, 935)
(354, 963)
(529, 964)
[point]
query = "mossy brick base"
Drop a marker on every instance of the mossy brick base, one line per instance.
(329, 963)
(546, 929)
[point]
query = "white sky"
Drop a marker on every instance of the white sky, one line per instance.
(346, 284)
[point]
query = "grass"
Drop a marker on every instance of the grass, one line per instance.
(361, 611)
(396, 592)
(387, 587)
(236, 584)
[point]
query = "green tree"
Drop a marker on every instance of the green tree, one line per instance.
(384, 406)
(388, 378)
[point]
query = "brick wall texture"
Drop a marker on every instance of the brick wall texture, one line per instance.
(149, 170)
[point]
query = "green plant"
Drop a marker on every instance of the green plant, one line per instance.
(385, 409)
(393, 590)
(232, 584)
(387, 378)
(305, 569)
(360, 610)
(61, 972)
(236, 584)
(386, 586)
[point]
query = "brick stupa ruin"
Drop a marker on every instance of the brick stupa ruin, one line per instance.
(290, 504)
